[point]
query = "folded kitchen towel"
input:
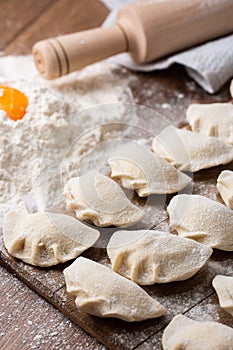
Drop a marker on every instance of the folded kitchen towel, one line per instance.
(209, 64)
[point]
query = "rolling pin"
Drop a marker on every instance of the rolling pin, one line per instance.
(147, 30)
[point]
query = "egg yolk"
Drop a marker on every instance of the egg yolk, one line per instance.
(13, 102)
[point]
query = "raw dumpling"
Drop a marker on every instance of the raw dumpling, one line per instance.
(225, 187)
(46, 239)
(231, 88)
(224, 289)
(101, 292)
(146, 173)
(149, 257)
(202, 219)
(186, 334)
(214, 119)
(99, 199)
(191, 151)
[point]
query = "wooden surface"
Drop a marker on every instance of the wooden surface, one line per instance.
(27, 321)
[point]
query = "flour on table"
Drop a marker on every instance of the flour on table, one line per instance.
(32, 150)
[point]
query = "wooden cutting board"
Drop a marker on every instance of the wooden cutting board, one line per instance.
(194, 297)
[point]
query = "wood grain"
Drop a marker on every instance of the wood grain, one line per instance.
(207, 310)
(65, 16)
(168, 93)
(170, 98)
(29, 322)
(16, 17)
(116, 334)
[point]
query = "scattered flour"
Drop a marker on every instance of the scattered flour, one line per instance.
(166, 106)
(37, 323)
(32, 150)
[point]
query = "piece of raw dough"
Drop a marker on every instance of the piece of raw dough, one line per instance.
(214, 119)
(146, 173)
(46, 239)
(202, 219)
(191, 151)
(225, 187)
(101, 292)
(224, 289)
(187, 334)
(99, 199)
(231, 88)
(147, 257)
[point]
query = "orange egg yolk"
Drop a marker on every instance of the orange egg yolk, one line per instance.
(13, 102)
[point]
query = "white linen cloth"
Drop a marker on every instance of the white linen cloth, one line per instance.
(209, 64)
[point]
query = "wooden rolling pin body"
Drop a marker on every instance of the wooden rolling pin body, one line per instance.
(147, 29)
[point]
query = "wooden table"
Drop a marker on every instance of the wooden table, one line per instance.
(22, 316)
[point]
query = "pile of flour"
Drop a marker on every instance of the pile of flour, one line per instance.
(45, 148)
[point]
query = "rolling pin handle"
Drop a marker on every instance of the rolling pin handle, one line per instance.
(64, 54)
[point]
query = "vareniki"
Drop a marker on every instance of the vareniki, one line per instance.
(101, 292)
(46, 239)
(224, 289)
(225, 187)
(202, 219)
(186, 334)
(214, 119)
(191, 151)
(145, 172)
(148, 257)
(99, 199)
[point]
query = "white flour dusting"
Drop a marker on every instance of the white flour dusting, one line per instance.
(32, 149)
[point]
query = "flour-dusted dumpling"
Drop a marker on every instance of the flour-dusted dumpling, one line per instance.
(224, 289)
(202, 219)
(214, 119)
(191, 151)
(183, 333)
(101, 292)
(147, 257)
(146, 173)
(231, 88)
(46, 239)
(99, 199)
(225, 187)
